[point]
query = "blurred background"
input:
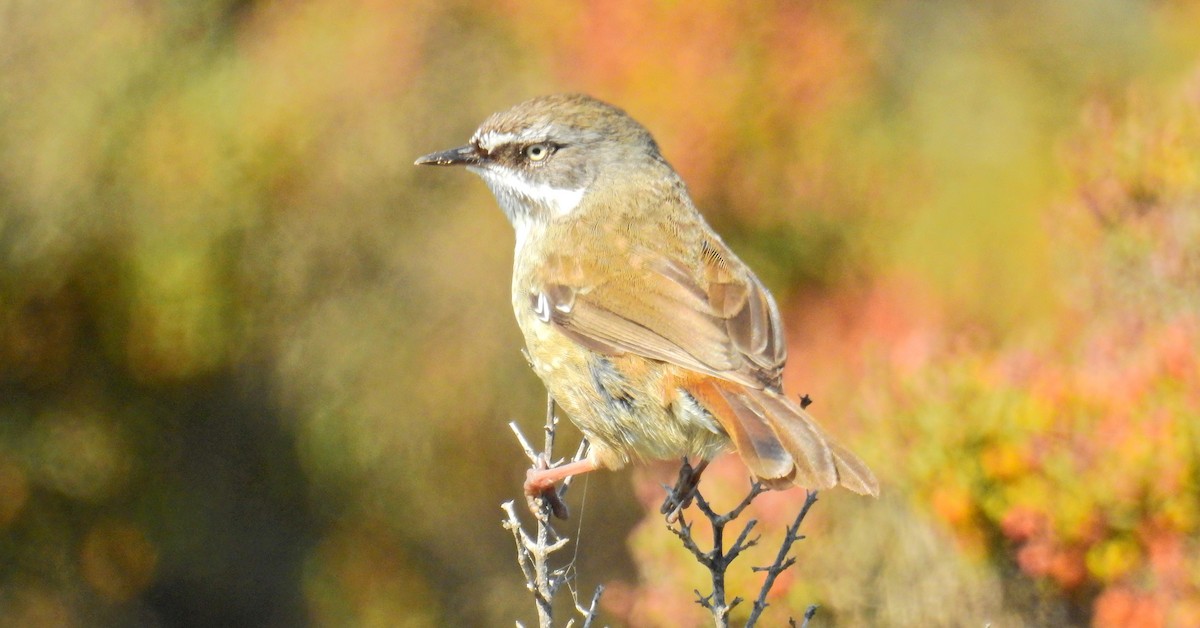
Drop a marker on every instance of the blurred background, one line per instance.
(256, 368)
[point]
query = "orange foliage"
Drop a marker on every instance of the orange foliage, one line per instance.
(1072, 452)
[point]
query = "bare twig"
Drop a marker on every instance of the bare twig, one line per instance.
(525, 446)
(808, 615)
(718, 559)
(589, 613)
(782, 562)
(534, 551)
(533, 556)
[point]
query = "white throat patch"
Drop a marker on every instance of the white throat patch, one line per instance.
(523, 226)
(560, 201)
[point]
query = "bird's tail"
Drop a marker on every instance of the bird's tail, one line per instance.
(781, 443)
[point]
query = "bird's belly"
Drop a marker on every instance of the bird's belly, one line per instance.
(626, 405)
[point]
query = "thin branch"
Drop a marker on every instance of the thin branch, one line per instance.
(756, 489)
(525, 446)
(512, 524)
(808, 615)
(534, 551)
(684, 532)
(589, 613)
(783, 562)
(718, 559)
(551, 427)
(741, 543)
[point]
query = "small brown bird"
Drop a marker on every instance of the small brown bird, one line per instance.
(653, 336)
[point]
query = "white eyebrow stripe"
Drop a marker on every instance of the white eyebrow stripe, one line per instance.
(491, 139)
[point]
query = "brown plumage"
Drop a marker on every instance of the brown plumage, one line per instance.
(653, 336)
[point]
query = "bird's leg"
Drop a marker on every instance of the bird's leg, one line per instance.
(539, 480)
(681, 496)
(539, 483)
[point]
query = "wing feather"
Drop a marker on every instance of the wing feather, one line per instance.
(718, 319)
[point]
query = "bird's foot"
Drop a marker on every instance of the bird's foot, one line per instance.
(541, 492)
(684, 492)
(541, 480)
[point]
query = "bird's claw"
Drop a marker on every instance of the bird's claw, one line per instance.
(684, 492)
(541, 495)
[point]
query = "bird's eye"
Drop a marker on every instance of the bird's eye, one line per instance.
(538, 152)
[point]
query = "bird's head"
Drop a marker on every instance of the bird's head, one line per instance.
(542, 156)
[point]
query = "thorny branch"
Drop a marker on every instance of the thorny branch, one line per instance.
(782, 562)
(533, 551)
(718, 559)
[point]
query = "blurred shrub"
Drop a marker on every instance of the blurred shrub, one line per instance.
(253, 364)
(1021, 363)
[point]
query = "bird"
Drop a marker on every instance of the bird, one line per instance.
(643, 325)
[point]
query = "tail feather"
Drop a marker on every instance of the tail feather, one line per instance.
(850, 471)
(800, 435)
(754, 439)
(853, 473)
(781, 443)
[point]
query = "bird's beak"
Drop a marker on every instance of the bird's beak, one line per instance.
(468, 155)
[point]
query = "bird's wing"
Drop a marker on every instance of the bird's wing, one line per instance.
(717, 319)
